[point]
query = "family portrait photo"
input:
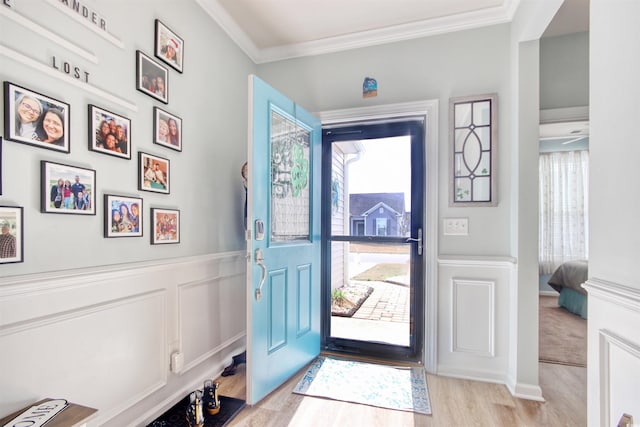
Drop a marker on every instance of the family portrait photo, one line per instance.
(11, 234)
(165, 226)
(109, 133)
(169, 47)
(35, 119)
(152, 78)
(167, 129)
(67, 189)
(122, 216)
(153, 173)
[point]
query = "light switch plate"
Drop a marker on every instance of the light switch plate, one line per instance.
(456, 226)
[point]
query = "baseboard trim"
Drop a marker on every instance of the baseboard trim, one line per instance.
(526, 391)
(549, 294)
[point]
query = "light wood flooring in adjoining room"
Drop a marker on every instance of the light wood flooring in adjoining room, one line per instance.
(454, 402)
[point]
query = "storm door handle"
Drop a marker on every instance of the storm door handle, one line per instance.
(418, 240)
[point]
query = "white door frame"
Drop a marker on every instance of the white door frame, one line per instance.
(429, 110)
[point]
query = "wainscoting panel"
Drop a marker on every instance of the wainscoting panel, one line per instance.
(473, 312)
(613, 352)
(102, 337)
(473, 317)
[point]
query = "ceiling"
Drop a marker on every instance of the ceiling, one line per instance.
(270, 30)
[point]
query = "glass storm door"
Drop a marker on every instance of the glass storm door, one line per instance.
(373, 301)
(283, 273)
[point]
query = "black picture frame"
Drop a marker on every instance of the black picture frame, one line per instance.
(169, 46)
(167, 129)
(81, 198)
(165, 226)
(116, 140)
(123, 216)
(11, 224)
(154, 173)
(36, 119)
(148, 71)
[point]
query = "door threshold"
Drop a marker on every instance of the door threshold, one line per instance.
(370, 358)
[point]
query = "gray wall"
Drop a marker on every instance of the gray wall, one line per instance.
(210, 96)
(465, 63)
(614, 236)
(564, 71)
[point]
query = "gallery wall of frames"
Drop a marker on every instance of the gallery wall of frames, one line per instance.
(129, 86)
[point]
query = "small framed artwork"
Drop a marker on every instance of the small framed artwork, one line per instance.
(122, 216)
(109, 133)
(169, 46)
(153, 173)
(152, 78)
(36, 119)
(11, 234)
(67, 189)
(165, 226)
(167, 129)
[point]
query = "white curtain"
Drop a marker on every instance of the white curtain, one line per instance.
(564, 215)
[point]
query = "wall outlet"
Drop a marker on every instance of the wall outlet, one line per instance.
(177, 362)
(456, 226)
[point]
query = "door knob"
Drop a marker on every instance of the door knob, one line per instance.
(260, 262)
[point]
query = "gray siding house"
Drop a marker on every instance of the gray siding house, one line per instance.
(377, 214)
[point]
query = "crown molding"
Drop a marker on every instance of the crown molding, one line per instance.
(459, 22)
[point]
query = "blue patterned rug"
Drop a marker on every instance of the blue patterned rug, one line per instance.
(402, 389)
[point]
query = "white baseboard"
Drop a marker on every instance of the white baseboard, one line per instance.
(549, 294)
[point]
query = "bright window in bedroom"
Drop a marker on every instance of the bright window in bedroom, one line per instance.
(563, 217)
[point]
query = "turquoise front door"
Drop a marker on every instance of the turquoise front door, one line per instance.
(283, 274)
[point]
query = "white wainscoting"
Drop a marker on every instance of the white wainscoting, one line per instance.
(473, 318)
(102, 337)
(613, 352)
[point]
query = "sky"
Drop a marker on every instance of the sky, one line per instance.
(385, 167)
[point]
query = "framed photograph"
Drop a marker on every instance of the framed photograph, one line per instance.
(153, 173)
(169, 46)
(67, 189)
(165, 226)
(35, 119)
(109, 133)
(11, 234)
(152, 78)
(122, 216)
(167, 129)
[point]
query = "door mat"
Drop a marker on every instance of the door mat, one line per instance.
(391, 387)
(176, 416)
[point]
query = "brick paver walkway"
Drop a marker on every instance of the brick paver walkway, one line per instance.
(388, 302)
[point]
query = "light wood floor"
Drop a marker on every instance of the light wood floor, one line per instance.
(454, 402)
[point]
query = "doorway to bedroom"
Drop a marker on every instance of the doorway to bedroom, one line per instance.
(373, 238)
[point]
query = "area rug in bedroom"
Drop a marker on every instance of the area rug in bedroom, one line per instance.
(562, 335)
(391, 387)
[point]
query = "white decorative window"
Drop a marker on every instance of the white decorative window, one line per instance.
(473, 124)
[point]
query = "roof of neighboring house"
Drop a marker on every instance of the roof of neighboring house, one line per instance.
(362, 202)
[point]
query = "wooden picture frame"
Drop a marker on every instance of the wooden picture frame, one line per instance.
(169, 47)
(66, 189)
(36, 119)
(165, 226)
(151, 77)
(122, 216)
(11, 234)
(153, 173)
(109, 133)
(167, 129)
